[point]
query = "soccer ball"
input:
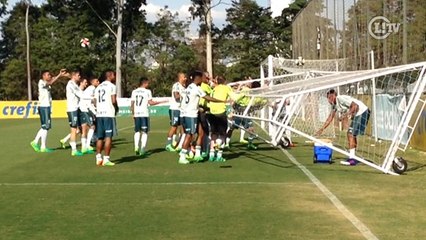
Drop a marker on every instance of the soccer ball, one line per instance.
(84, 42)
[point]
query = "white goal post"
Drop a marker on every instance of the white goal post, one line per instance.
(394, 95)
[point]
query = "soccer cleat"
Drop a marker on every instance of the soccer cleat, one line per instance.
(198, 158)
(76, 153)
(142, 152)
(251, 146)
(87, 151)
(221, 159)
(91, 149)
(349, 162)
(62, 142)
(99, 162)
(190, 155)
(204, 155)
(169, 148)
(107, 163)
(226, 146)
(178, 149)
(183, 161)
(46, 150)
(137, 151)
(35, 146)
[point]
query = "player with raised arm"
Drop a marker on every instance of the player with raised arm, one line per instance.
(85, 117)
(44, 109)
(351, 108)
(140, 99)
(74, 95)
(218, 119)
(106, 109)
(203, 126)
(174, 110)
(189, 106)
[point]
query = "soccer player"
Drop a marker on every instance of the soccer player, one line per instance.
(203, 126)
(44, 109)
(140, 99)
(351, 108)
(241, 102)
(85, 116)
(218, 119)
(189, 106)
(106, 109)
(74, 95)
(174, 110)
(90, 93)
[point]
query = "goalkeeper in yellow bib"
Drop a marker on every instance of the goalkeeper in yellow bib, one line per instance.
(218, 119)
(241, 103)
(354, 109)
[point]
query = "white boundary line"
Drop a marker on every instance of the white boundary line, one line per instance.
(365, 231)
(146, 184)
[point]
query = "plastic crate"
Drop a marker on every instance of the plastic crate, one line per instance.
(322, 153)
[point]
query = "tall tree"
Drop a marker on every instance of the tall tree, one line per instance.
(247, 39)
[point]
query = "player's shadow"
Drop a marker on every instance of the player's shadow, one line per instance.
(129, 159)
(120, 141)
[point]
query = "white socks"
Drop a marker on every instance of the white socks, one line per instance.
(38, 136)
(182, 139)
(73, 146)
(43, 139)
(144, 139)
(137, 138)
(83, 143)
(242, 135)
(89, 137)
(351, 153)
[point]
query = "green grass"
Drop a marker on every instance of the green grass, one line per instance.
(259, 195)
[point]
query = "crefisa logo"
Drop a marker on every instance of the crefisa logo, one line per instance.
(381, 27)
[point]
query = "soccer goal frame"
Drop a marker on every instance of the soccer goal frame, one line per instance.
(301, 89)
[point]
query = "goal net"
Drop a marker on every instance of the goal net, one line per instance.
(298, 104)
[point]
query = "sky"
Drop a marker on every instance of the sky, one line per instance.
(182, 6)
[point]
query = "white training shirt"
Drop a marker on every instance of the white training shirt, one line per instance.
(177, 88)
(103, 93)
(190, 99)
(141, 97)
(86, 101)
(44, 95)
(343, 103)
(74, 94)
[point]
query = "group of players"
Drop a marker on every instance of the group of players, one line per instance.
(85, 104)
(198, 109)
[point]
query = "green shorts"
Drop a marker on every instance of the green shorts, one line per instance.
(105, 127)
(85, 118)
(359, 124)
(73, 119)
(45, 119)
(190, 125)
(142, 124)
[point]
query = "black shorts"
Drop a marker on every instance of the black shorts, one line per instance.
(202, 120)
(105, 127)
(218, 123)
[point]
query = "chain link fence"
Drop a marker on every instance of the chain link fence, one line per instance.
(349, 29)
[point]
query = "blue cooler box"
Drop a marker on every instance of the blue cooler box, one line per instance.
(322, 153)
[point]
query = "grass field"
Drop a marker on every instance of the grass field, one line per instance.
(258, 194)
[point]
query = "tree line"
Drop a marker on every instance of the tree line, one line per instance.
(156, 49)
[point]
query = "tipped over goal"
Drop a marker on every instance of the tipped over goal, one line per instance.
(300, 103)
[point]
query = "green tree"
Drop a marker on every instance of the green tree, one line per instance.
(169, 49)
(247, 39)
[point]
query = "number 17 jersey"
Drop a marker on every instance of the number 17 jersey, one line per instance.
(141, 97)
(103, 94)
